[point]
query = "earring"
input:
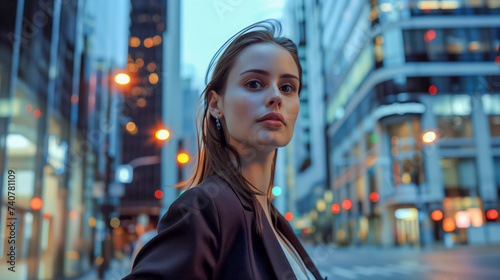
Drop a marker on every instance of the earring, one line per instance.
(217, 122)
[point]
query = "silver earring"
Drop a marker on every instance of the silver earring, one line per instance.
(217, 122)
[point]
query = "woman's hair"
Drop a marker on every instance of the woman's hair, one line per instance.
(213, 151)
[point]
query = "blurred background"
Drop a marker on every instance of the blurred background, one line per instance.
(393, 171)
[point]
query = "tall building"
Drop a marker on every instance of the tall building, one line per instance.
(143, 103)
(412, 119)
(305, 184)
(57, 134)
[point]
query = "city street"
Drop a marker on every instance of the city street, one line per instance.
(460, 263)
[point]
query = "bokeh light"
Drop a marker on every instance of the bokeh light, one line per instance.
(92, 222)
(433, 90)
(492, 214)
(158, 194)
(130, 126)
(114, 223)
(153, 78)
(37, 113)
(276, 191)
(335, 208)
(448, 225)
(429, 136)
(122, 79)
(148, 42)
(346, 204)
(288, 216)
(73, 214)
(437, 215)
(134, 42)
(36, 203)
(429, 35)
(28, 108)
(182, 158)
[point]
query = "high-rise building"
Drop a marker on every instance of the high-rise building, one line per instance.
(58, 137)
(143, 103)
(412, 119)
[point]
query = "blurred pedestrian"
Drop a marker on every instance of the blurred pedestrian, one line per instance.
(224, 226)
(146, 236)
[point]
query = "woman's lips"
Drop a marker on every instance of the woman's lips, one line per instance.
(274, 123)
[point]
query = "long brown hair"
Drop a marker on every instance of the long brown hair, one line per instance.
(213, 151)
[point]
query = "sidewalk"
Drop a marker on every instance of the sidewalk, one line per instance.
(117, 270)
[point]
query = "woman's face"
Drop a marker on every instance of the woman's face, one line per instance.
(264, 79)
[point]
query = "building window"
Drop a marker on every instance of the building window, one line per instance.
(453, 116)
(496, 167)
(491, 105)
(465, 44)
(406, 153)
(460, 177)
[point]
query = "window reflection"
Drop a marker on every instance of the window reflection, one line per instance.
(491, 105)
(406, 153)
(464, 44)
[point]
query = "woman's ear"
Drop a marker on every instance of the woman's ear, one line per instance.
(214, 101)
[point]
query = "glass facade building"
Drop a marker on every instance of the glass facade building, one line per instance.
(393, 71)
(57, 137)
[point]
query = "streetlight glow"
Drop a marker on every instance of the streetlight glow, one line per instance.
(429, 137)
(162, 134)
(182, 158)
(122, 79)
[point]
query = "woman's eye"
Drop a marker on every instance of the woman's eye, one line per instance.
(287, 88)
(254, 84)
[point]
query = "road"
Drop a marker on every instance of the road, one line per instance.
(459, 263)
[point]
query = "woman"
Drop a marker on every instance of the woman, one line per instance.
(226, 226)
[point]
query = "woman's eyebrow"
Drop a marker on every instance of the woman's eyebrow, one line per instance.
(263, 72)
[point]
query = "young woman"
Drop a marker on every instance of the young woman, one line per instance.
(225, 227)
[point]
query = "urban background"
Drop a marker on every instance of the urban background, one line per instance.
(393, 170)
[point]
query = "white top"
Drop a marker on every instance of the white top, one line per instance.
(299, 273)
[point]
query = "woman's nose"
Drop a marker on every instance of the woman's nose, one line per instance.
(274, 96)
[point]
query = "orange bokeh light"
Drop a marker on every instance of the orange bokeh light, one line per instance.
(374, 197)
(289, 216)
(36, 203)
(148, 42)
(73, 214)
(46, 215)
(335, 208)
(437, 215)
(448, 225)
(37, 113)
(346, 204)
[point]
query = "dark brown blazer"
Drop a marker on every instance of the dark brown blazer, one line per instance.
(209, 233)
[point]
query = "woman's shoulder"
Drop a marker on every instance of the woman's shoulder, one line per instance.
(213, 188)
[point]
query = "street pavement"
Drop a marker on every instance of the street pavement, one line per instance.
(459, 263)
(346, 263)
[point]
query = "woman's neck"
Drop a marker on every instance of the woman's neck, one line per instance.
(256, 168)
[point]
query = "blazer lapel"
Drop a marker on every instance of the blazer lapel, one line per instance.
(285, 228)
(279, 262)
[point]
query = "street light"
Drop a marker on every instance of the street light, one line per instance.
(429, 137)
(122, 79)
(182, 158)
(162, 134)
